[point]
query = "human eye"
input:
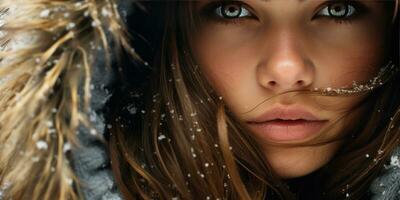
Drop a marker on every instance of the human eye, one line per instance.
(341, 11)
(227, 11)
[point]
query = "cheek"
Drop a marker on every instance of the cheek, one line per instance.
(350, 65)
(227, 65)
(354, 54)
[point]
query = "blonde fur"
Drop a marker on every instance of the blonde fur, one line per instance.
(41, 82)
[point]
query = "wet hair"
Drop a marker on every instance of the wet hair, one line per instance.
(182, 141)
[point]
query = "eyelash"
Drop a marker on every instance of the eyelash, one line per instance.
(358, 10)
(210, 10)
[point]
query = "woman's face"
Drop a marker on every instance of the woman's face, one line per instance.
(252, 50)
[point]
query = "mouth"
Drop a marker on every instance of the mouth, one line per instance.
(287, 124)
(287, 130)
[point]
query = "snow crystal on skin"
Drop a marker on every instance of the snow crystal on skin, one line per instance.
(41, 145)
(383, 75)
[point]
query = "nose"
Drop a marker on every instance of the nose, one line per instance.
(284, 67)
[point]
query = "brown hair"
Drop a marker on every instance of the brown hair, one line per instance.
(182, 147)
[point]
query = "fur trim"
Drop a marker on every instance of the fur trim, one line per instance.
(49, 48)
(387, 185)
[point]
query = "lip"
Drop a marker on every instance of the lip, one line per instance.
(287, 124)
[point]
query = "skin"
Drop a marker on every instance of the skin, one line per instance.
(282, 48)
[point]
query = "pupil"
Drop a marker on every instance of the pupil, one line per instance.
(337, 8)
(231, 11)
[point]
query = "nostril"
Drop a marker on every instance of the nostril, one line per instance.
(300, 82)
(272, 83)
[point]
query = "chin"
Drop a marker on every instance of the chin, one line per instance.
(296, 162)
(290, 173)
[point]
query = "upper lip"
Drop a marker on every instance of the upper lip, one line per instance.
(285, 113)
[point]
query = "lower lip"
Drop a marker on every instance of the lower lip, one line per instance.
(288, 130)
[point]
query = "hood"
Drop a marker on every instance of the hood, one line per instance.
(83, 141)
(56, 62)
